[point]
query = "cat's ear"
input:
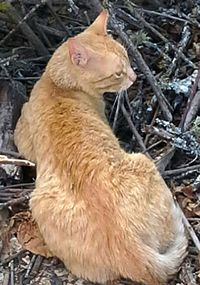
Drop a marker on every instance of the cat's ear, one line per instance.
(99, 26)
(78, 53)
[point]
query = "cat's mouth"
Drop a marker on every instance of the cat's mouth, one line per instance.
(127, 83)
(131, 77)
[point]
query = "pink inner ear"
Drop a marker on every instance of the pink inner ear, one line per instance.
(78, 53)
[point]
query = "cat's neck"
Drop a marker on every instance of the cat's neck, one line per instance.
(90, 100)
(71, 88)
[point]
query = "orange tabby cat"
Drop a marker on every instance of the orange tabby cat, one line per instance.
(105, 213)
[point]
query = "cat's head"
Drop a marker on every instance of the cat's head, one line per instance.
(92, 61)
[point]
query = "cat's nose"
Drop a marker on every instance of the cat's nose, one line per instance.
(131, 74)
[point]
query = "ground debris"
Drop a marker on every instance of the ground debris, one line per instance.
(185, 141)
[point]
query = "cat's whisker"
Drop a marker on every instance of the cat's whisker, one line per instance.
(119, 101)
(127, 100)
(113, 107)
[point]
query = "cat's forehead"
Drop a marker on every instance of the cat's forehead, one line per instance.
(103, 44)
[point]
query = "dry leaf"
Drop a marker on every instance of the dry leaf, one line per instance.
(184, 203)
(28, 234)
(196, 211)
(189, 192)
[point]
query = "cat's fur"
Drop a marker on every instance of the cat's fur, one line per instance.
(104, 212)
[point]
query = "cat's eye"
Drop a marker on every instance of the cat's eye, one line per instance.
(119, 74)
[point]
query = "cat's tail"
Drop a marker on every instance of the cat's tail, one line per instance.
(168, 263)
(154, 267)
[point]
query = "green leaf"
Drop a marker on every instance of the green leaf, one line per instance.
(4, 6)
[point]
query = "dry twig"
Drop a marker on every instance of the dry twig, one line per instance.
(188, 169)
(193, 104)
(19, 162)
(191, 231)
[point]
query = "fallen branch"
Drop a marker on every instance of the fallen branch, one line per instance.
(178, 171)
(18, 162)
(13, 202)
(10, 152)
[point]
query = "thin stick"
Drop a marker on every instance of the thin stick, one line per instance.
(19, 162)
(30, 266)
(181, 170)
(164, 15)
(9, 152)
(133, 129)
(17, 186)
(192, 112)
(14, 201)
(190, 230)
(12, 273)
(183, 124)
